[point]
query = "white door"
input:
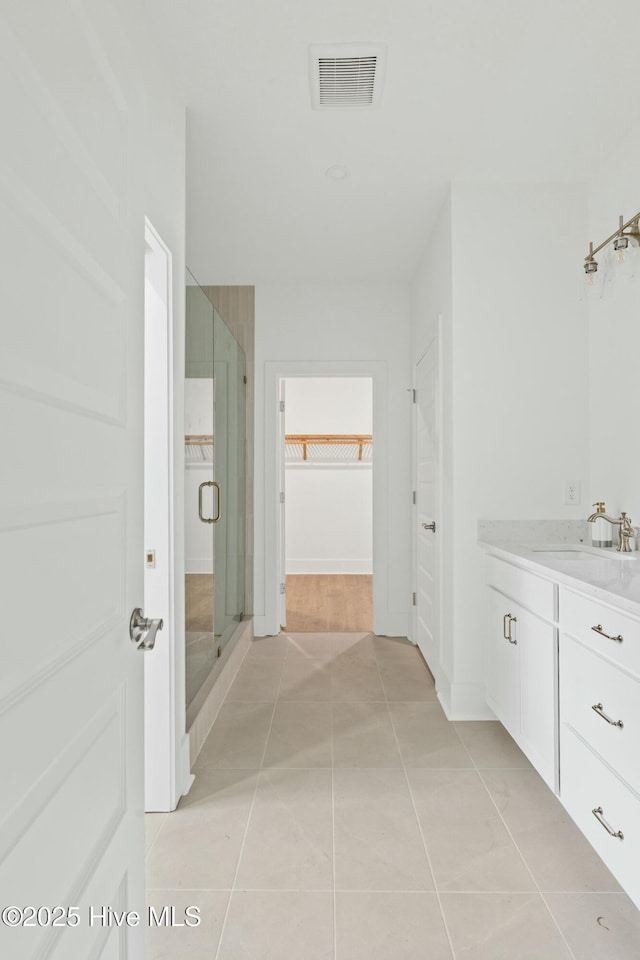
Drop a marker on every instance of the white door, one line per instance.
(282, 527)
(428, 532)
(71, 482)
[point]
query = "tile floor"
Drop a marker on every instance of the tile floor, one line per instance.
(337, 815)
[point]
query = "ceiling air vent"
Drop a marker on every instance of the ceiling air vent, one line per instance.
(346, 75)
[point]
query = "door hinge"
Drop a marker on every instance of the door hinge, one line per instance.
(413, 497)
(283, 589)
(413, 600)
(282, 406)
(282, 498)
(413, 395)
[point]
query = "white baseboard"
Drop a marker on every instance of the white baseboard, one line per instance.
(198, 565)
(358, 566)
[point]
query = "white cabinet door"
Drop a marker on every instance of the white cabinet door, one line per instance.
(502, 663)
(537, 653)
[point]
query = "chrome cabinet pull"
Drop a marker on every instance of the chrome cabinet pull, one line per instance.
(143, 631)
(207, 483)
(511, 620)
(599, 709)
(430, 526)
(598, 814)
(598, 629)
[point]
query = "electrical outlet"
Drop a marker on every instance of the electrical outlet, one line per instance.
(572, 492)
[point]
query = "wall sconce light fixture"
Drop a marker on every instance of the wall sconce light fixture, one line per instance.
(627, 235)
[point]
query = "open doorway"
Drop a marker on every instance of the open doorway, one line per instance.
(327, 513)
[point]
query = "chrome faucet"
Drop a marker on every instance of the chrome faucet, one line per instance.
(625, 530)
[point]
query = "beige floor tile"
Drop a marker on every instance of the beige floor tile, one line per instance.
(598, 926)
(152, 826)
(363, 736)
(187, 943)
(554, 849)
(306, 679)
(502, 926)
(276, 647)
(356, 678)
(407, 680)
(390, 926)
(289, 843)
(331, 646)
(200, 842)
(426, 737)
(278, 926)
(238, 736)
(490, 745)
(257, 679)
(394, 649)
(300, 735)
(377, 840)
(468, 844)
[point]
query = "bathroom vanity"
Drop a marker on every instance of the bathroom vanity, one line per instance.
(563, 676)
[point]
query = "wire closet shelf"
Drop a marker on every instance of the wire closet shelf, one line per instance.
(328, 448)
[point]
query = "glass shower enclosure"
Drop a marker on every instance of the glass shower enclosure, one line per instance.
(215, 485)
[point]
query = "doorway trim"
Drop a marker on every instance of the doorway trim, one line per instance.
(384, 623)
(166, 755)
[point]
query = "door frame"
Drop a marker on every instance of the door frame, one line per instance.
(275, 371)
(166, 759)
(435, 342)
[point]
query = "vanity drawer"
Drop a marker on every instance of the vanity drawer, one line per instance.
(579, 615)
(588, 785)
(533, 592)
(586, 680)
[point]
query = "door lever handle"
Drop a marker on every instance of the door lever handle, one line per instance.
(143, 631)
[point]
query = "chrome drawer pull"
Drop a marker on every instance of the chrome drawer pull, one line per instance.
(599, 630)
(511, 620)
(597, 812)
(599, 709)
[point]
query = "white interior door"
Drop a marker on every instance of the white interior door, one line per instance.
(427, 534)
(71, 518)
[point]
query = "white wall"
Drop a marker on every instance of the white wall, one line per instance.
(614, 344)
(329, 519)
(342, 325)
(329, 405)
(329, 522)
(516, 367)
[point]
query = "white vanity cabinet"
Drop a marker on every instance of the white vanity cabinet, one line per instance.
(521, 661)
(600, 730)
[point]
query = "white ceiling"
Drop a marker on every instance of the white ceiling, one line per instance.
(475, 90)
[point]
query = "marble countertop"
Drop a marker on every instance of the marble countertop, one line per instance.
(604, 574)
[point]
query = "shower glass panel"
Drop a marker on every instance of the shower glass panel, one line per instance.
(215, 503)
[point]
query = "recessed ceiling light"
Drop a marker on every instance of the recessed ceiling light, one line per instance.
(337, 173)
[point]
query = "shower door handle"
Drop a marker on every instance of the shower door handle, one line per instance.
(219, 513)
(207, 483)
(210, 483)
